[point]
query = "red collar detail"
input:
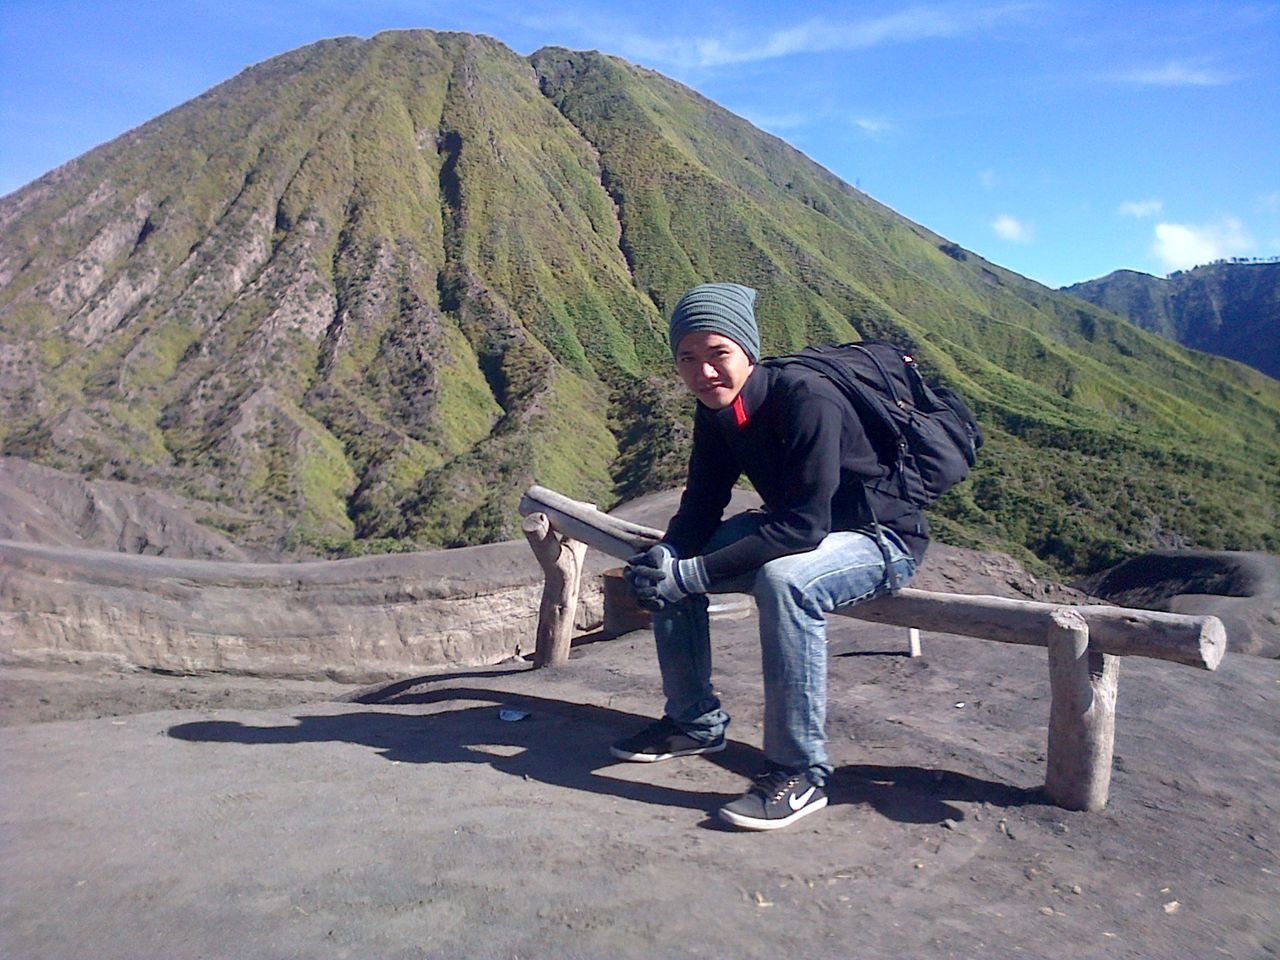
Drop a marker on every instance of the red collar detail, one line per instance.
(740, 411)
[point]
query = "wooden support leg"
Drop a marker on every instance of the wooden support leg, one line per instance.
(913, 641)
(1082, 716)
(561, 561)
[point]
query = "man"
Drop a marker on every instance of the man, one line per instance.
(811, 549)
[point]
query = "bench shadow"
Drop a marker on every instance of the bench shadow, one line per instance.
(394, 691)
(565, 744)
(560, 743)
(922, 795)
(871, 653)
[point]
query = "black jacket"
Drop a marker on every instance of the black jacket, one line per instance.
(800, 443)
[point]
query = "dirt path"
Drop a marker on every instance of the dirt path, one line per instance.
(225, 817)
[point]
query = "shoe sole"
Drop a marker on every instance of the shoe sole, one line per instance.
(655, 757)
(754, 823)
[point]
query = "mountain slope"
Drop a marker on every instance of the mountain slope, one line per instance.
(1229, 309)
(367, 291)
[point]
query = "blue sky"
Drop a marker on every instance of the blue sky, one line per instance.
(1061, 139)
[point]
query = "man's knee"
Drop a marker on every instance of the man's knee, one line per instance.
(777, 579)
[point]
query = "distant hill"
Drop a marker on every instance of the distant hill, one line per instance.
(361, 295)
(1230, 309)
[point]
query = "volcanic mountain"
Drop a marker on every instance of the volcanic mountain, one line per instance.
(362, 294)
(1228, 308)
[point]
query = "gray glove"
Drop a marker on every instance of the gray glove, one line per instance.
(657, 578)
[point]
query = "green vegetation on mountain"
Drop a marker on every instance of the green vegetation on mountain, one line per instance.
(368, 291)
(1230, 308)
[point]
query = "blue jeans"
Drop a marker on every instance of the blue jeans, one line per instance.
(793, 594)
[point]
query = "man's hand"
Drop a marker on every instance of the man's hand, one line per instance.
(645, 571)
(658, 578)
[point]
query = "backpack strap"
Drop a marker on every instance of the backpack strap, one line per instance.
(881, 431)
(877, 531)
(865, 408)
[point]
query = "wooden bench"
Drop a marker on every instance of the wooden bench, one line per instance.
(1084, 642)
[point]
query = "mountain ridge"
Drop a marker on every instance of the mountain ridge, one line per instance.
(367, 291)
(1227, 308)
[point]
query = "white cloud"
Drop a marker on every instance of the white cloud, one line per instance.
(872, 127)
(1141, 208)
(1180, 246)
(793, 120)
(1012, 229)
(820, 35)
(1177, 73)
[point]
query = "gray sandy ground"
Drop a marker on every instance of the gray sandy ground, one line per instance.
(272, 819)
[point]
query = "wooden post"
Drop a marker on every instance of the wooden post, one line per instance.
(561, 560)
(1082, 716)
(611, 535)
(1198, 641)
(621, 612)
(913, 641)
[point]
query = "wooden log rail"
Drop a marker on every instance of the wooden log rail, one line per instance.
(1083, 642)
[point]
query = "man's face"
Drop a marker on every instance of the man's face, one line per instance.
(713, 367)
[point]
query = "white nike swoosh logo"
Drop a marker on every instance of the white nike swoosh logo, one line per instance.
(795, 803)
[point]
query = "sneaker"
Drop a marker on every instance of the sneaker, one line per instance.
(776, 799)
(662, 740)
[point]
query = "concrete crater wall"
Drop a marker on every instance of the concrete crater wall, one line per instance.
(357, 620)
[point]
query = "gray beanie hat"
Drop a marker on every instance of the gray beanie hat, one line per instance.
(724, 308)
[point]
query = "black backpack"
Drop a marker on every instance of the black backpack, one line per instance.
(925, 437)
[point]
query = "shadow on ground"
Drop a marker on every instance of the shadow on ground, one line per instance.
(560, 742)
